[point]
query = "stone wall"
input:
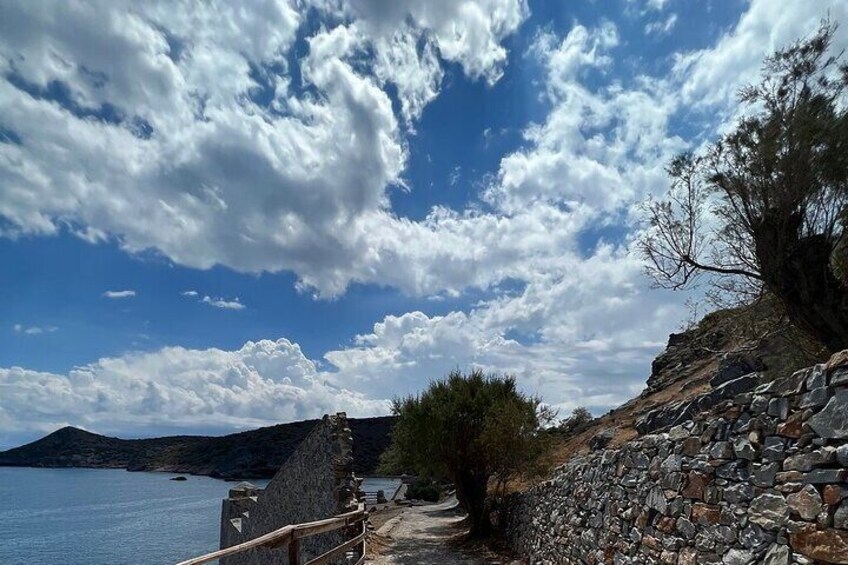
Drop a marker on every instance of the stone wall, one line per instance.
(316, 482)
(759, 478)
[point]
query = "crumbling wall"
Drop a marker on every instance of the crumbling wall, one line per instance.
(316, 482)
(760, 478)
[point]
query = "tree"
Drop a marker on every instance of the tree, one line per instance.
(580, 416)
(761, 211)
(470, 430)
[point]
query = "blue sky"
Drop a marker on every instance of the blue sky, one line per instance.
(212, 220)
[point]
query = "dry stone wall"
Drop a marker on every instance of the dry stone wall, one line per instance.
(761, 478)
(316, 482)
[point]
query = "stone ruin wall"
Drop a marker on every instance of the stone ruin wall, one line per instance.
(316, 482)
(761, 478)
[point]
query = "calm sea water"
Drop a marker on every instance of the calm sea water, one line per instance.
(100, 517)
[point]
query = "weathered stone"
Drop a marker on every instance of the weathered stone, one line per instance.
(737, 557)
(839, 377)
(840, 517)
(832, 421)
(743, 448)
(695, 483)
(833, 494)
(656, 500)
(671, 464)
(815, 398)
(676, 433)
(690, 446)
(735, 471)
(842, 455)
(773, 448)
(777, 555)
(688, 556)
(807, 460)
(705, 514)
(759, 404)
(817, 377)
(789, 476)
(769, 510)
(788, 385)
(753, 537)
(721, 450)
(738, 493)
(686, 528)
(806, 503)
(793, 427)
(764, 474)
(822, 476)
(672, 481)
(779, 408)
(830, 546)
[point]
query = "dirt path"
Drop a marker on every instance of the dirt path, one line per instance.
(424, 535)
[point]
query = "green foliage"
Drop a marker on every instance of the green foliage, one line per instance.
(424, 489)
(469, 429)
(762, 210)
(575, 423)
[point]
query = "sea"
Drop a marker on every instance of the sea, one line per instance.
(114, 517)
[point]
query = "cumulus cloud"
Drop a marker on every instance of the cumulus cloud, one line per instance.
(33, 330)
(189, 293)
(219, 159)
(261, 383)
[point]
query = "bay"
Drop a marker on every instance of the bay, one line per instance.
(106, 516)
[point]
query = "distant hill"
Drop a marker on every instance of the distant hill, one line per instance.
(253, 454)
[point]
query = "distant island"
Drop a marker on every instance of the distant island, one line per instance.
(253, 454)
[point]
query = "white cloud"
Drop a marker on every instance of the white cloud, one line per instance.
(712, 76)
(33, 330)
(119, 293)
(661, 27)
(198, 170)
(233, 304)
(189, 293)
(225, 180)
(261, 383)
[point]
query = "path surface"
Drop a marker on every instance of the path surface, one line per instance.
(424, 535)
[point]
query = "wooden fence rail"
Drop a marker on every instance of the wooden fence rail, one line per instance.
(291, 536)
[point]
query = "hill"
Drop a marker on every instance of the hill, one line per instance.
(696, 368)
(244, 455)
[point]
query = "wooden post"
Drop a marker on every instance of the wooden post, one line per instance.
(294, 552)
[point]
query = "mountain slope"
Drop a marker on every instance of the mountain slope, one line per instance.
(252, 454)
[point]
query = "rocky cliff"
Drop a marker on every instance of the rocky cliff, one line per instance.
(252, 454)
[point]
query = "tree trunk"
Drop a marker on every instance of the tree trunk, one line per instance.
(798, 272)
(471, 491)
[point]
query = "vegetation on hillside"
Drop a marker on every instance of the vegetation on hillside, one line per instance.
(471, 430)
(762, 211)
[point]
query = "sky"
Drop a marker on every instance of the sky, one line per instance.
(216, 216)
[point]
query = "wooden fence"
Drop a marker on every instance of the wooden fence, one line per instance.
(291, 536)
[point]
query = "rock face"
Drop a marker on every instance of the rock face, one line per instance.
(761, 478)
(316, 482)
(245, 455)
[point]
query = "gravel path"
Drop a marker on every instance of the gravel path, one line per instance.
(422, 535)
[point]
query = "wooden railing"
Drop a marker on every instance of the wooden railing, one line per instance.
(291, 536)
